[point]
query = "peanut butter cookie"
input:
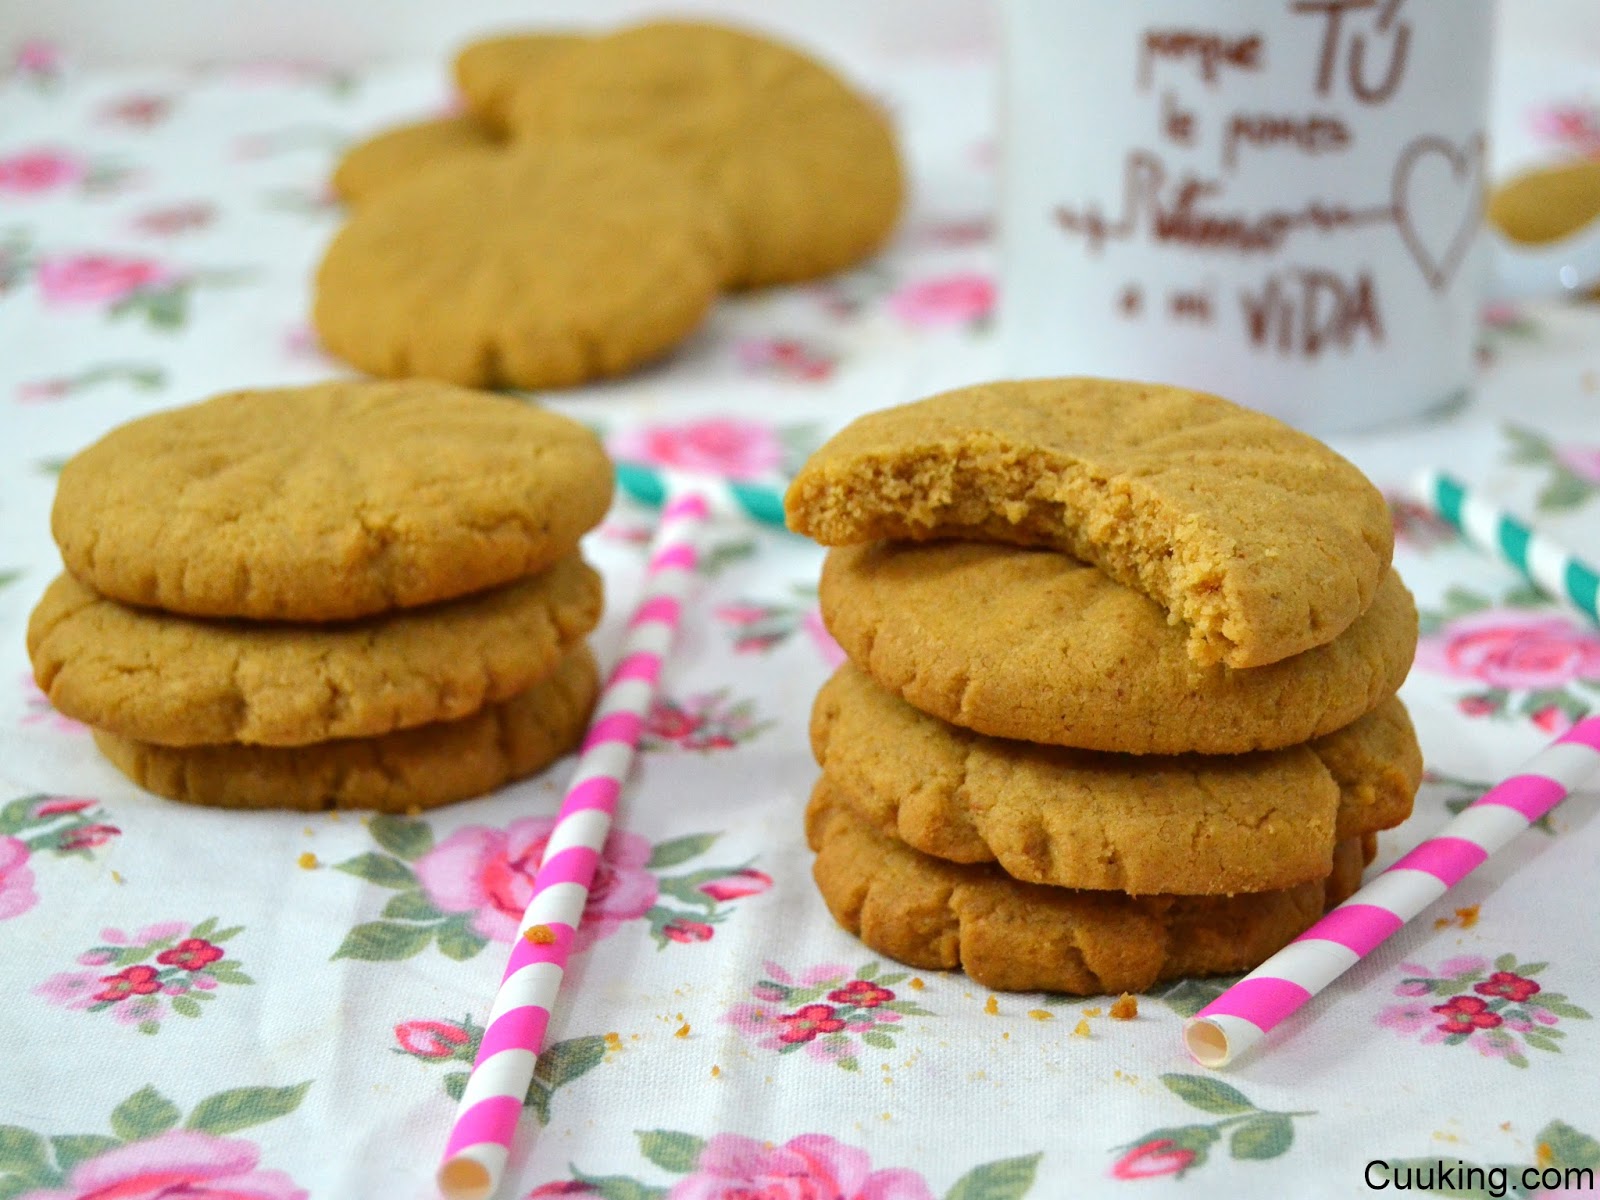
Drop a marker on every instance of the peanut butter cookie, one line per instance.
(543, 267)
(1260, 539)
(1034, 645)
(1017, 937)
(490, 71)
(804, 164)
(1187, 825)
(422, 767)
(327, 502)
(397, 154)
(181, 681)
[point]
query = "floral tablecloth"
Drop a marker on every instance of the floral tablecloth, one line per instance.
(210, 1004)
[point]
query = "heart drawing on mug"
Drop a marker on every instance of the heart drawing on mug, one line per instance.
(1438, 245)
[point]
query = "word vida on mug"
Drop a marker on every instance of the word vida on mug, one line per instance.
(1295, 310)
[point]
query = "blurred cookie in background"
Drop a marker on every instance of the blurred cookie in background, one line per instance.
(396, 155)
(806, 166)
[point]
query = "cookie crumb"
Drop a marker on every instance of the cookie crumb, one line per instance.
(1006, 1036)
(613, 1041)
(1468, 916)
(308, 861)
(715, 1070)
(1441, 922)
(1505, 1126)
(116, 877)
(992, 1006)
(1081, 1029)
(540, 935)
(309, 832)
(1041, 1014)
(1092, 1012)
(1544, 1156)
(1126, 1007)
(683, 1030)
(916, 984)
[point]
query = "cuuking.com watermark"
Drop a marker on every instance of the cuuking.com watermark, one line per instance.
(1462, 1178)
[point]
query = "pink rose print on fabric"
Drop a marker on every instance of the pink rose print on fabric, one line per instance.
(1582, 461)
(489, 873)
(41, 712)
(726, 446)
(737, 885)
(98, 280)
(456, 1043)
(813, 1166)
(139, 110)
(965, 298)
(158, 1153)
(785, 358)
(16, 879)
(680, 930)
(173, 219)
(38, 829)
(1571, 471)
(1416, 526)
(1515, 650)
(1501, 1010)
(35, 172)
(701, 723)
(827, 649)
(180, 1162)
(472, 888)
(1574, 127)
(732, 1167)
(1152, 1159)
(144, 377)
(1246, 1132)
(958, 232)
(38, 61)
(432, 1039)
(169, 968)
(761, 626)
(828, 1011)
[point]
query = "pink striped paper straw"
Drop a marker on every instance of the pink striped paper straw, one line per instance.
(1246, 1012)
(480, 1142)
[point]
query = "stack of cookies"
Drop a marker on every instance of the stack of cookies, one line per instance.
(598, 196)
(341, 596)
(1120, 700)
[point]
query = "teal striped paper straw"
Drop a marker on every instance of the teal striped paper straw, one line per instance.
(1550, 567)
(651, 486)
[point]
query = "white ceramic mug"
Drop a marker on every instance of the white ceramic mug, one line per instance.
(1280, 201)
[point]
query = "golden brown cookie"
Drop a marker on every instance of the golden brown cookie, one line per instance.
(327, 502)
(1034, 645)
(398, 154)
(1259, 538)
(491, 70)
(1019, 937)
(422, 767)
(806, 166)
(183, 681)
(1549, 202)
(543, 267)
(1187, 825)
